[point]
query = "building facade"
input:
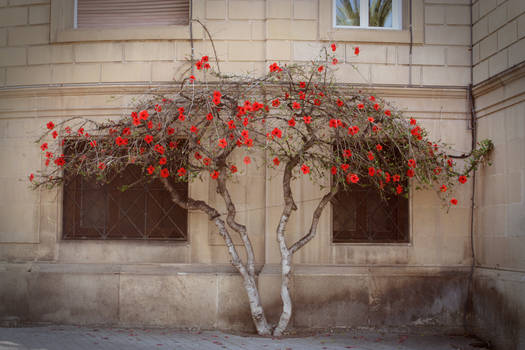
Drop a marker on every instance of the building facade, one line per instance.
(57, 62)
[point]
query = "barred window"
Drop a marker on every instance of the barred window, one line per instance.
(104, 212)
(126, 13)
(360, 215)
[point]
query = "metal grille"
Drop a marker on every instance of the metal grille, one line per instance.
(361, 216)
(103, 212)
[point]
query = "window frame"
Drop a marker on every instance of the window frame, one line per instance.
(62, 27)
(373, 34)
(397, 16)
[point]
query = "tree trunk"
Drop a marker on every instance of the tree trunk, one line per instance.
(286, 257)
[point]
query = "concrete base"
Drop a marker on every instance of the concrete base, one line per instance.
(212, 297)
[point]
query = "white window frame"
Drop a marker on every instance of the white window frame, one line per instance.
(397, 19)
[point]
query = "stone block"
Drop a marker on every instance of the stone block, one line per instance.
(13, 56)
(278, 50)
(481, 71)
(458, 15)
(457, 76)
(39, 14)
(32, 35)
(246, 9)
(99, 52)
(168, 300)
(459, 56)
(120, 72)
(499, 62)
(304, 30)
(27, 2)
(3, 37)
(246, 51)
(50, 54)
(28, 75)
(258, 30)
(367, 54)
(216, 9)
(305, 9)
(521, 26)
(233, 305)
(497, 18)
(76, 73)
(3, 3)
(382, 74)
(279, 29)
(507, 35)
(74, 298)
(488, 46)
(517, 52)
(475, 52)
(480, 29)
(486, 6)
(230, 30)
(170, 71)
(434, 14)
(279, 9)
(447, 35)
(13, 16)
(14, 293)
(149, 51)
(423, 55)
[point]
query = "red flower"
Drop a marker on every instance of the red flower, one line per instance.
(276, 102)
(333, 47)
(334, 170)
(204, 58)
(198, 64)
(371, 119)
(372, 98)
(412, 121)
(379, 147)
(276, 161)
(214, 175)
(233, 169)
(454, 201)
(353, 130)
(158, 108)
(206, 161)
(396, 178)
(277, 132)
(347, 153)
(93, 143)
(209, 116)
(231, 124)
(443, 188)
(412, 163)
(172, 144)
(126, 131)
(55, 134)
(371, 171)
(182, 117)
(31, 177)
(150, 125)
(60, 161)
(50, 125)
(462, 179)
(399, 189)
(194, 129)
(370, 155)
(192, 78)
(353, 178)
(333, 123)
(207, 66)
(148, 138)
(345, 167)
(305, 169)
(143, 115)
(302, 84)
(388, 113)
(296, 105)
(181, 172)
(223, 143)
(376, 106)
(317, 102)
(437, 170)
(245, 134)
(159, 148)
(360, 106)
(274, 67)
(340, 103)
(198, 155)
(356, 50)
(291, 122)
(335, 61)
(450, 162)
(307, 119)
(162, 161)
(410, 172)
(150, 169)
(216, 100)
(44, 146)
(120, 141)
(247, 160)
(101, 166)
(164, 172)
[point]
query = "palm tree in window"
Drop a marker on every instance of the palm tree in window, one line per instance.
(380, 13)
(347, 12)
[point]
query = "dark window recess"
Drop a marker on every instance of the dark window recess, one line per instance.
(131, 13)
(102, 211)
(359, 215)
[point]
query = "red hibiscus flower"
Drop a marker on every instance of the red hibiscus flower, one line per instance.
(181, 172)
(291, 122)
(347, 153)
(31, 177)
(50, 125)
(60, 161)
(335, 61)
(55, 134)
(370, 156)
(443, 188)
(360, 106)
(164, 172)
(462, 179)
(162, 161)
(305, 169)
(399, 189)
(454, 201)
(276, 161)
(247, 160)
(206, 161)
(412, 121)
(277, 132)
(148, 138)
(233, 169)
(396, 178)
(410, 172)
(320, 69)
(223, 143)
(307, 119)
(333, 47)
(353, 178)
(371, 171)
(333, 170)
(44, 146)
(388, 113)
(143, 115)
(194, 129)
(356, 51)
(214, 175)
(276, 102)
(345, 167)
(379, 147)
(159, 148)
(93, 143)
(412, 163)
(296, 105)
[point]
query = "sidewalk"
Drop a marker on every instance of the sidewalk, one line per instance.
(89, 338)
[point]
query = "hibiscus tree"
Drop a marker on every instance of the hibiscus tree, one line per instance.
(304, 123)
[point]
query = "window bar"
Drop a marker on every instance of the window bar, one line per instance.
(363, 13)
(75, 15)
(396, 14)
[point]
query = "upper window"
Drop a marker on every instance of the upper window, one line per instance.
(373, 14)
(130, 13)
